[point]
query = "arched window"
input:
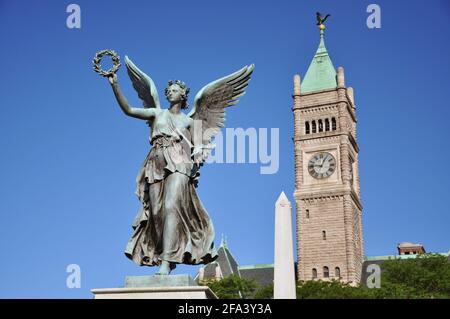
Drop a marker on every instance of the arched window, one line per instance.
(327, 125)
(326, 272)
(307, 213)
(320, 126)
(314, 273)
(337, 272)
(306, 127)
(324, 235)
(333, 124)
(314, 127)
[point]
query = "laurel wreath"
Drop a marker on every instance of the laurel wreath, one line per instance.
(98, 59)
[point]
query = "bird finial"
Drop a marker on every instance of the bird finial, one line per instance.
(321, 20)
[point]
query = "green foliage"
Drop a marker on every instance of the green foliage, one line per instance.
(331, 290)
(233, 287)
(320, 290)
(426, 276)
(265, 292)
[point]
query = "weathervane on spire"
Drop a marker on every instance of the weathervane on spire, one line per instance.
(321, 20)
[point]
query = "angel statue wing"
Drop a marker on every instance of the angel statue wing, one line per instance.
(143, 84)
(210, 103)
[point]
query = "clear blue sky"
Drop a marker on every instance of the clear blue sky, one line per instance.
(69, 156)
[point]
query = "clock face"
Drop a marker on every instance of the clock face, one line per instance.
(321, 165)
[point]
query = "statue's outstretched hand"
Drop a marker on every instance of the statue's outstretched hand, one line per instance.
(201, 152)
(112, 78)
(197, 154)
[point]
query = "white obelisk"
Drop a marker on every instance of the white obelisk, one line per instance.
(284, 276)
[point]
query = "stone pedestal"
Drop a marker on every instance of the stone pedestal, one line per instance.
(156, 287)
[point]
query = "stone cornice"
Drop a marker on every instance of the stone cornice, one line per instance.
(326, 135)
(349, 105)
(329, 195)
(317, 92)
(316, 106)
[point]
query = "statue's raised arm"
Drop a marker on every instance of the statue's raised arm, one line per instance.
(144, 86)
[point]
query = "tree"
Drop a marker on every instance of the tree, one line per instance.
(264, 292)
(317, 289)
(426, 276)
(232, 287)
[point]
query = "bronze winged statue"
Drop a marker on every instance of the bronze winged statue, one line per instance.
(172, 226)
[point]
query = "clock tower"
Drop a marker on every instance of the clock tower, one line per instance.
(327, 188)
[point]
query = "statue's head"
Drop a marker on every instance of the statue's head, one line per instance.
(176, 92)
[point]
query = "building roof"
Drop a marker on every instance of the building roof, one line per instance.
(321, 74)
(226, 261)
(261, 274)
(408, 244)
(388, 257)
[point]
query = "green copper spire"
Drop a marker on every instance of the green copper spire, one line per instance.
(223, 242)
(321, 74)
